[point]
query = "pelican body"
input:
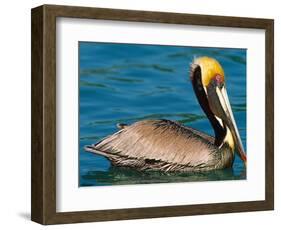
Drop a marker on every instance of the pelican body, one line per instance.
(168, 146)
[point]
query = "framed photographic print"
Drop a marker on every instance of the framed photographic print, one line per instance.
(140, 114)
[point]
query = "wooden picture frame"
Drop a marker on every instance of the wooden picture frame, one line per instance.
(43, 208)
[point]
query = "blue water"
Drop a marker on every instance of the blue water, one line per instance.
(122, 83)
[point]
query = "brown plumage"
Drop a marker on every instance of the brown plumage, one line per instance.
(162, 145)
(169, 146)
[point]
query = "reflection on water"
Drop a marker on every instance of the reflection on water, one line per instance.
(122, 83)
(123, 176)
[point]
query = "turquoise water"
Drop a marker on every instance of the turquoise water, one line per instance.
(122, 83)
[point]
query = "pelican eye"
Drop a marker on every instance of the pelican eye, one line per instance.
(217, 81)
(218, 78)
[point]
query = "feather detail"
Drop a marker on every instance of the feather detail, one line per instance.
(160, 141)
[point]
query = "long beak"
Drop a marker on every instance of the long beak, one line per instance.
(221, 106)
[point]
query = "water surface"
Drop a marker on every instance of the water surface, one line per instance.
(122, 83)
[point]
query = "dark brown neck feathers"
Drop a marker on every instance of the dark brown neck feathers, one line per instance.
(200, 93)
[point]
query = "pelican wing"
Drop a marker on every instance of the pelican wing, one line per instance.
(162, 140)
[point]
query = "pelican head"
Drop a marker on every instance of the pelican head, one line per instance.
(208, 82)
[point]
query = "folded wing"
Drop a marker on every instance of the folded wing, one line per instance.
(159, 140)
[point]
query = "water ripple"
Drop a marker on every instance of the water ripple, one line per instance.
(183, 118)
(124, 176)
(115, 69)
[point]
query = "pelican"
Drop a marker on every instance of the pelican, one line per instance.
(168, 146)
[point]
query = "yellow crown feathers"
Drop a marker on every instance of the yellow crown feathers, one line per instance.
(209, 69)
